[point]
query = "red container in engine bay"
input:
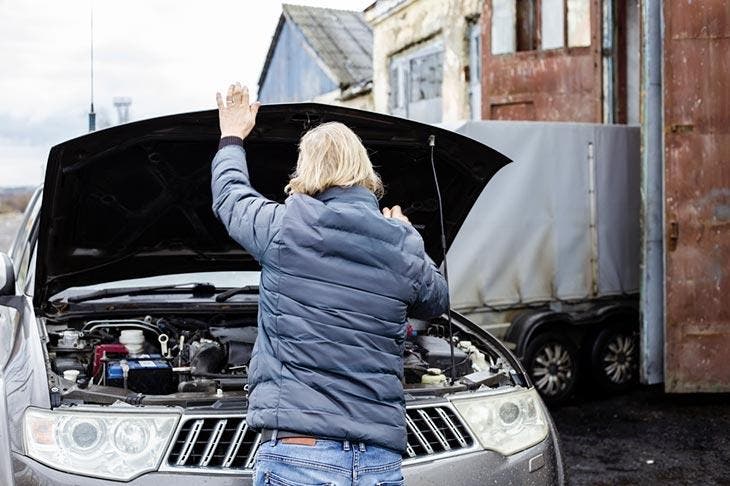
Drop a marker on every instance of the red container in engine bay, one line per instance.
(101, 351)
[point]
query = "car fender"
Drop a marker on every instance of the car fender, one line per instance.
(22, 371)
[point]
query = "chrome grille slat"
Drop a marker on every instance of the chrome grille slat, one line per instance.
(418, 434)
(434, 429)
(190, 442)
(215, 438)
(235, 444)
(223, 444)
(252, 455)
(454, 429)
(410, 451)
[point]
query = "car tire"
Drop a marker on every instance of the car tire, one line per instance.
(551, 360)
(615, 359)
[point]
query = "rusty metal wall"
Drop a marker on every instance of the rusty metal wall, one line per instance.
(697, 194)
(551, 85)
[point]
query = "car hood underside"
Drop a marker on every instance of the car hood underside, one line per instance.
(134, 200)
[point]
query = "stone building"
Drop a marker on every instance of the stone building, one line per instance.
(426, 56)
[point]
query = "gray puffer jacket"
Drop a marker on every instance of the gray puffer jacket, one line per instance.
(337, 282)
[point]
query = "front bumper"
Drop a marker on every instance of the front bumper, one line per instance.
(538, 465)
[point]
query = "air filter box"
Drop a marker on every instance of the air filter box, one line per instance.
(438, 354)
(148, 374)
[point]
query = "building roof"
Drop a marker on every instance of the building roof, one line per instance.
(342, 40)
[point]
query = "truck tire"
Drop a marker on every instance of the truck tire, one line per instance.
(615, 359)
(551, 360)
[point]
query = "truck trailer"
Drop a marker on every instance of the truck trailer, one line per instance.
(548, 258)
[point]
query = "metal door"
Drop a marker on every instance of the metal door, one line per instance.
(697, 195)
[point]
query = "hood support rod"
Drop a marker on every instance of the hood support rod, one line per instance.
(432, 145)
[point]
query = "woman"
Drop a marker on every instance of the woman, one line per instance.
(338, 280)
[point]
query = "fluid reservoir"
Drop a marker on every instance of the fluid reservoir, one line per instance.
(133, 340)
(478, 360)
(433, 376)
(465, 345)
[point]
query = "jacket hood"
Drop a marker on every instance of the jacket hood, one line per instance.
(134, 200)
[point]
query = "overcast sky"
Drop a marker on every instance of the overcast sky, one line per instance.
(169, 56)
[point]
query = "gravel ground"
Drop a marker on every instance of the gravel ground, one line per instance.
(8, 226)
(646, 437)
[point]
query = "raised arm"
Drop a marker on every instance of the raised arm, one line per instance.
(432, 295)
(432, 298)
(251, 219)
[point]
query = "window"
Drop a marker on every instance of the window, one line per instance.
(426, 76)
(526, 27)
(552, 24)
(515, 24)
(579, 23)
(395, 97)
(504, 35)
(415, 84)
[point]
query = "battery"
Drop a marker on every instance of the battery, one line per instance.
(148, 374)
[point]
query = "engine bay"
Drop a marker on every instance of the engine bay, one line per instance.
(184, 359)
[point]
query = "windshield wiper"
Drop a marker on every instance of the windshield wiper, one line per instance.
(197, 289)
(248, 289)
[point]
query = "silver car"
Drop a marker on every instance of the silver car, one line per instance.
(128, 316)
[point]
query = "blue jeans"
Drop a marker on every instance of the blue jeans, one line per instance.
(327, 462)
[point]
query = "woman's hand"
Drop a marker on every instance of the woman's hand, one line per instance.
(396, 213)
(237, 116)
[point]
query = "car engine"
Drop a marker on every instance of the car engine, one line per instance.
(189, 357)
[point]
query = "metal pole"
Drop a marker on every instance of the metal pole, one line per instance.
(652, 194)
(92, 115)
(607, 58)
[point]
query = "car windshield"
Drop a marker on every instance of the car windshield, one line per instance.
(221, 280)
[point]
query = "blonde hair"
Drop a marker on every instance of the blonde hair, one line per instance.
(331, 155)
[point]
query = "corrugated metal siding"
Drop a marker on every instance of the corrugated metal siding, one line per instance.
(293, 73)
(548, 85)
(697, 192)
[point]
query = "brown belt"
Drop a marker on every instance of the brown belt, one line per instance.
(288, 437)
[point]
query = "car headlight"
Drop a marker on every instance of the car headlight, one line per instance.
(506, 423)
(113, 445)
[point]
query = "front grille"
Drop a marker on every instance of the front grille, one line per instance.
(214, 443)
(227, 444)
(432, 430)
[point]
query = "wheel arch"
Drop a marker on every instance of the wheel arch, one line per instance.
(530, 323)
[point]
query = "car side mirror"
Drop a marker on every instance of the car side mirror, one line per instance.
(7, 276)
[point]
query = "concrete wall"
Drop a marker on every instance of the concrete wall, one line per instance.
(294, 72)
(401, 26)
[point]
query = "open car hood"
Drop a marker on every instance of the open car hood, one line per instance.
(134, 200)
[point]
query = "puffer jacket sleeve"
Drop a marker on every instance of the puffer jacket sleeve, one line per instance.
(251, 219)
(432, 295)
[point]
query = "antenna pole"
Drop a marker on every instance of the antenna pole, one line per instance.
(92, 115)
(432, 144)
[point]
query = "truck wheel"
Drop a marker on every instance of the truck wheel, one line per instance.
(552, 362)
(615, 359)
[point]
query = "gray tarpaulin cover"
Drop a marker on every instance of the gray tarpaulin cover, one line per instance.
(529, 237)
